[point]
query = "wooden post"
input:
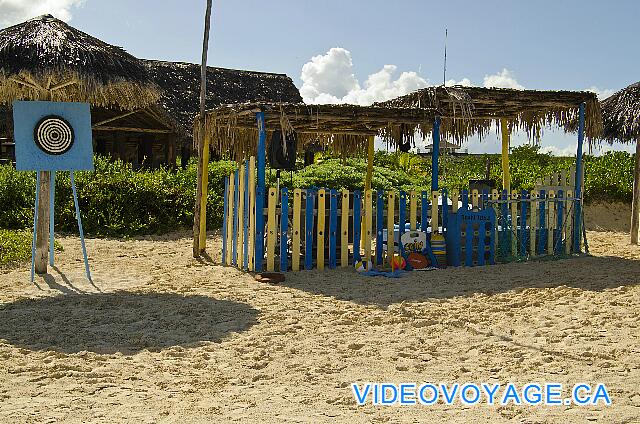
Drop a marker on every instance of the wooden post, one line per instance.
(577, 226)
(203, 95)
(369, 177)
(42, 228)
(635, 206)
(435, 152)
(506, 176)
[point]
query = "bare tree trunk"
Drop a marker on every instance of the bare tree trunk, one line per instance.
(635, 206)
(203, 95)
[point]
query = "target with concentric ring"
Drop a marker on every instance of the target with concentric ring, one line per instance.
(53, 135)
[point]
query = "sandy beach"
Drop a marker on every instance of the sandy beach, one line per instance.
(161, 337)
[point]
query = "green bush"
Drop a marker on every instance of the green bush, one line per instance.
(15, 246)
(115, 200)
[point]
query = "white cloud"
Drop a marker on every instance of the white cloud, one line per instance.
(503, 79)
(16, 11)
(330, 78)
(464, 82)
(601, 93)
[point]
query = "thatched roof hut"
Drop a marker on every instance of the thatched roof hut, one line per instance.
(180, 85)
(621, 115)
(467, 111)
(46, 59)
(343, 128)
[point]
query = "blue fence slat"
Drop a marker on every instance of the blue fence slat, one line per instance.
(424, 211)
(465, 199)
(333, 227)
(357, 203)
(308, 229)
(234, 240)
(542, 236)
(485, 199)
(284, 228)
(259, 239)
(379, 225)
(505, 243)
(245, 218)
(225, 213)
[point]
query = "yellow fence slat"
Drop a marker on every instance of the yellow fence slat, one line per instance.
(568, 207)
(368, 208)
(391, 211)
(551, 206)
(344, 229)
(455, 198)
(434, 212)
(230, 218)
(534, 223)
(252, 212)
(241, 234)
(474, 198)
(295, 241)
(413, 210)
(320, 229)
(271, 229)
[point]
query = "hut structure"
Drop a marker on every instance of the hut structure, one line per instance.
(621, 119)
(45, 59)
(152, 126)
(241, 131)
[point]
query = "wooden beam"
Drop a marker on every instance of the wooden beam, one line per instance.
(115, 118)
(42, 229)
(131, 129)
(63, 84)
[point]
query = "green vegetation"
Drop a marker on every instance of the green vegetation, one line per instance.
(118, 201)
(15, 247)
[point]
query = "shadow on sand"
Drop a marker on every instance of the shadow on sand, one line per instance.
(123, 322)
(588, 273)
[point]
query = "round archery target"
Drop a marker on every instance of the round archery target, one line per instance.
(53, 135)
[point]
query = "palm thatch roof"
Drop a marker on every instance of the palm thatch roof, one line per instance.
(621, 115)
(467, 111)
(180, 85)
(344, 128)
(46, 59)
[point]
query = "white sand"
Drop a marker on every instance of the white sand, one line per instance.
(161, 337)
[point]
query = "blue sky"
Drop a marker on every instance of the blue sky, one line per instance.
(557, 44)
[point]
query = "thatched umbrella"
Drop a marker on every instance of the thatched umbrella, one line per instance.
(46, 59)
(621, 120)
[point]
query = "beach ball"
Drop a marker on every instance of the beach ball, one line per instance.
(399, 262)
(362, 266)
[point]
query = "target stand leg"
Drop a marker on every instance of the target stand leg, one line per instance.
(35, 226)
(52, 197)
(84, 248)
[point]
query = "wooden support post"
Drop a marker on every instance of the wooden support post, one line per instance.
(577, 226)
(635, 206)
(435, 152)
(42, 228)
(260, 192)
(506, 176)
(370, 151)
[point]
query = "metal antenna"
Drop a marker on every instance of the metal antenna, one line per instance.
(444, 76)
